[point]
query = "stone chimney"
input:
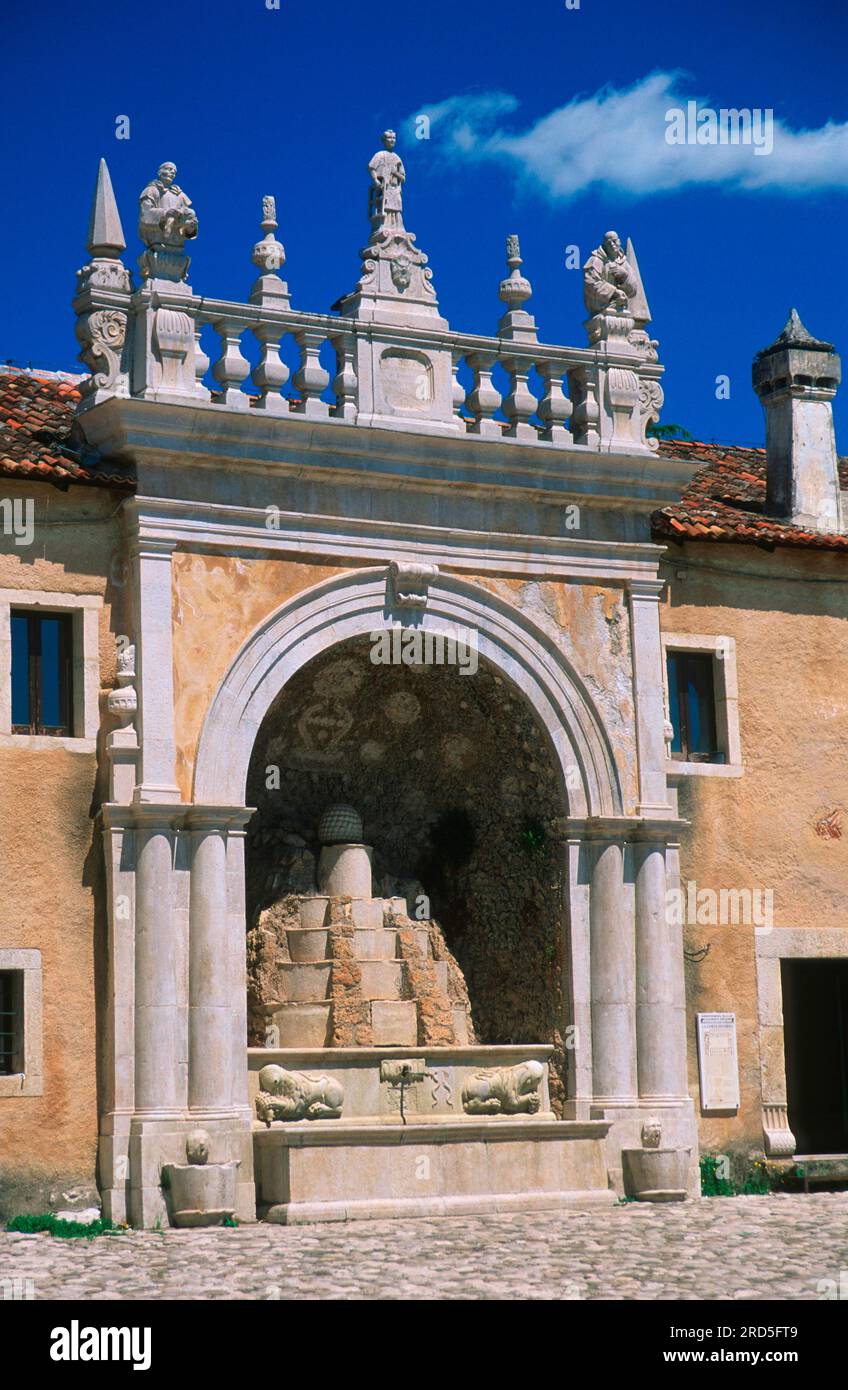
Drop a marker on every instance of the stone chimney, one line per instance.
(796, 379)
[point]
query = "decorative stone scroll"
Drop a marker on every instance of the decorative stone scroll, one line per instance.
(292, 1095)
(504, 1090)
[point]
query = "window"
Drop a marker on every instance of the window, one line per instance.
(692, 707)
(21, 1045)
(11, 1022)
(42, 673)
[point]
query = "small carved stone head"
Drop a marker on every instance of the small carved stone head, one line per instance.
(167, 173)
(389, 139)
(652, 1133)
(197, 1147)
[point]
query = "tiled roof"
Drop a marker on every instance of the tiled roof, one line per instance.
(725, 501)
(36, 422)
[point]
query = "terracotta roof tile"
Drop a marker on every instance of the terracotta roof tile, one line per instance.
(36, 434)
(726, 499)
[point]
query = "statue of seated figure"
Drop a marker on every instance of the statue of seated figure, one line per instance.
(504, 1090)
(608, 278)
(166, 216)
(292, 1095)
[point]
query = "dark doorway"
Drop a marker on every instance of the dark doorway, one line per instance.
(815, 1017)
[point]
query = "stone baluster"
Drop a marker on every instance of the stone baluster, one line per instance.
(344, 382)
(232, 368)
(458, 390)
(311, 379)
(484, 398)
(554, 407)
(201, 365)
(271, 374)
(520, 405)
(586, 408)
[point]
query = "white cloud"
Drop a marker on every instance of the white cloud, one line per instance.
(618, 138)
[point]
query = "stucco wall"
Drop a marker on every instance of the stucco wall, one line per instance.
(759, 830)
(218, 601)
(51, 874)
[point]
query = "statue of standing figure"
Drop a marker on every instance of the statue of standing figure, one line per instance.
(385, 202)
(608, 278)
(166, 216)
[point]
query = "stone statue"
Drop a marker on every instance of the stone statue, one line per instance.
(166, 217)
(608, 278)
(292, 1095)
(385, 203)
(504, 1090)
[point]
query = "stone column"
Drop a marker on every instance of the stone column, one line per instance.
(646, 650)
(159, 1077)
(210, 1053)
(613, 980)
(660, 1015)
(155, 684)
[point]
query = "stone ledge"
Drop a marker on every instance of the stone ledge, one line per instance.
(303, 1213)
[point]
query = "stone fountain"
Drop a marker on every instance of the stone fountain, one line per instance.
(371, 1099)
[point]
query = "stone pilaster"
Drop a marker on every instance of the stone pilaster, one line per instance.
(648, 697)
(155, 685)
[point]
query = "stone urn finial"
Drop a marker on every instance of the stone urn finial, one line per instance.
(340, 825)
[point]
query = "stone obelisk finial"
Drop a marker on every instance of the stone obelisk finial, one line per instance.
(105, 234)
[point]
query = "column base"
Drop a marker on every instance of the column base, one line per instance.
(134, 1149)
(626, 1118)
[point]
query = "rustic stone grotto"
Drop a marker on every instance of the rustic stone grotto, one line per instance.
(458, 796)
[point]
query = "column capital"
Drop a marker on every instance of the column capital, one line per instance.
(227, 819)
(641, 587)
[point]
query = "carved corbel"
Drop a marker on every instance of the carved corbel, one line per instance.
(409, 584)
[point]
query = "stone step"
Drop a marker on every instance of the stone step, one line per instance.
(309, 944)
(382, 979)
(302, 1025)
(394, 1024)
(307, 983)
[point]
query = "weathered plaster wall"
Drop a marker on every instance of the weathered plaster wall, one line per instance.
(590, 623)
(783, 824)
(218, 601)
(51, 867)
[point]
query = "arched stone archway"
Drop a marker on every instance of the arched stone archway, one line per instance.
(360, 602)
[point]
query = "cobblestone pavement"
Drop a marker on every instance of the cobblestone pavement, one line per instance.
(781, 1247)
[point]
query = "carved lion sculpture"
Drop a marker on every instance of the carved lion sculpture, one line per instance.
(292, 1095)
(504, 1090)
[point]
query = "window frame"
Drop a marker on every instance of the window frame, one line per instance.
(84, 683)
(35, 619)
(725, 700)
(28, 1080)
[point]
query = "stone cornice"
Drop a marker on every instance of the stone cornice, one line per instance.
(160, 524)
(162, 434)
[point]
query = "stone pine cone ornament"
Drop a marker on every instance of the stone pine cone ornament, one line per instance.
(340, 825)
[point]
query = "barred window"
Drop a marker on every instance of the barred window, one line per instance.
(11, 1022)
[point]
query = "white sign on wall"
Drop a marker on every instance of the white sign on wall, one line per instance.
(717, 1061)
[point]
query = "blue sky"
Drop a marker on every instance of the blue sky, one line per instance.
(546, 121)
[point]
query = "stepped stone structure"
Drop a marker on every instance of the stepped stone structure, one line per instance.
(408, 685)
